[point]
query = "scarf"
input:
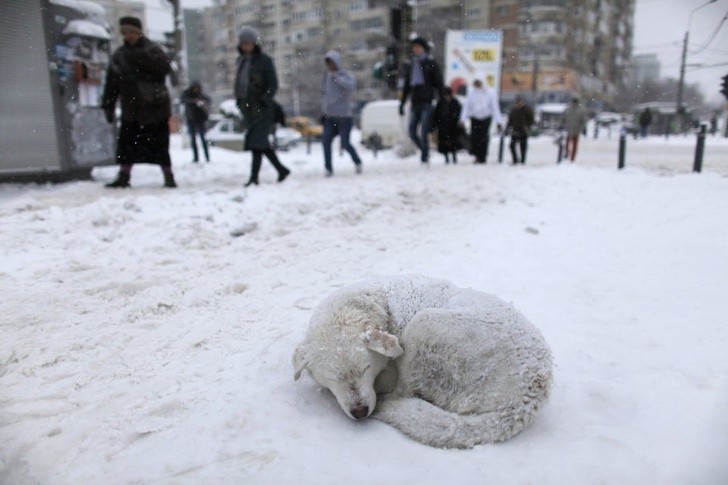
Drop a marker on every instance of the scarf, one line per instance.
(242, 80)
(418, 77)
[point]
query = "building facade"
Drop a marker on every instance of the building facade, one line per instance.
(552, 49)
(645, 67)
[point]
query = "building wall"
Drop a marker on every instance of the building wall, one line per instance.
(569, 46)
(646, 67)
(572, 46)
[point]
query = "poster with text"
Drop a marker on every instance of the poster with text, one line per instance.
(471, 54)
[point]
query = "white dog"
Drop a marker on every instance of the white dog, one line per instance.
(452, 367)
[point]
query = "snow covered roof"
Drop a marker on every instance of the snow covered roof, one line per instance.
(87, 7)
(86, 28)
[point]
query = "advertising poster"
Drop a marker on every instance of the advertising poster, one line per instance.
(470, 54)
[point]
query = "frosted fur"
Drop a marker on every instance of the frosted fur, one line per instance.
(473, 369)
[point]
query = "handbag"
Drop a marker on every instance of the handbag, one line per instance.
(152, 92)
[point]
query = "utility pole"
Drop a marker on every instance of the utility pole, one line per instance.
(679, 113)
(179, 39)
(679, 107)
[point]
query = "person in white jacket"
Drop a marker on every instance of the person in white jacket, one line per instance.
(481, 106)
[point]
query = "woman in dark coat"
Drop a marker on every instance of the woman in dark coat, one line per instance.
(256, 84)
(447, 115)
(136, 77)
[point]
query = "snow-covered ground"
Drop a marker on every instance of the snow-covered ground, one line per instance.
(146, 334)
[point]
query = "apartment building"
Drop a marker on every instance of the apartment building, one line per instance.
(556, 48)
(297, 34)
(645, 67)
(552, 48)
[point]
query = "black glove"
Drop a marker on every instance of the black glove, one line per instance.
(109, 114)
(401, 109)
(323, 119)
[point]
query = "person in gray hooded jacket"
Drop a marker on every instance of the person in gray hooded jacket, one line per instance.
(337, 88)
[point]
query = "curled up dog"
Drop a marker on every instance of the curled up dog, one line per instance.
(447, 366)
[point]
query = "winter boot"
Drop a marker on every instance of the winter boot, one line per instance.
(121, 182)
(169, 180)
(282, 174)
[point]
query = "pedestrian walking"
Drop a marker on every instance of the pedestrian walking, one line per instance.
(574, 122)
(645, 121)
(197, 112)
(520, 120)
(135, 78)
(255, 87)
(481, 106)
(446, 122)
(422, 85)
(337, 88)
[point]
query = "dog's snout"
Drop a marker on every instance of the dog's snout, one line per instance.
(360, 411)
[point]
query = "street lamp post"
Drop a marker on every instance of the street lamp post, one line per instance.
(681, 83)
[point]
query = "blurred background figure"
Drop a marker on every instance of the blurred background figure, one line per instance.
(197, 111)
(575, 119)
(645, 122)
(446, 118)
(255, 87)
(520, 120)
(136, 78)
(481, 106)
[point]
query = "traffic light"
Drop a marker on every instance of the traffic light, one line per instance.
(724, 86)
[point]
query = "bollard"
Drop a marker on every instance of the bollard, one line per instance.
(622, 148)
(699, 150)
(308, 144)
(560, 142)
(500, 148)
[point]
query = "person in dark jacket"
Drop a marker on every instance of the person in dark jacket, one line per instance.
(135, 77)
(446, 118)
(255, 87)
(422, 85)
(645, 122)
(520, 120)
(197, 111)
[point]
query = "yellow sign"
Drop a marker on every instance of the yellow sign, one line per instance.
(483, 55)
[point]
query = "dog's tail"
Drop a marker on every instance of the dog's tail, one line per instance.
(434, 426)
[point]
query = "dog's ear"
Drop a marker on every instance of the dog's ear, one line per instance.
(299, 361)
(381, 342)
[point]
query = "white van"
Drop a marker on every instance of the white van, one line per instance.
(383, 117)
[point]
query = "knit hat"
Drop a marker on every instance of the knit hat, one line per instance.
(421, 41)
(130, 23)
(248, 34)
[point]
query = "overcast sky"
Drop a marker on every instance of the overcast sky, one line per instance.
(660, 26)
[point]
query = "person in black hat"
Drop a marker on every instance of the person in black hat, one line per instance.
(135, 77)
(422, 85)
(255, 87)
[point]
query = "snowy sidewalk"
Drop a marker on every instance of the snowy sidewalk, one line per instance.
(142, 343)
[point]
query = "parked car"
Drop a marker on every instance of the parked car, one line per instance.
(383, 118)
(305, 126)
(228, 133)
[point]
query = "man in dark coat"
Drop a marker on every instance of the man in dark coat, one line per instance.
(136, 77)
(519, 124)
(447, 116)
(645, 121)
(255, 86)
(422, 84)
(197, 111)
